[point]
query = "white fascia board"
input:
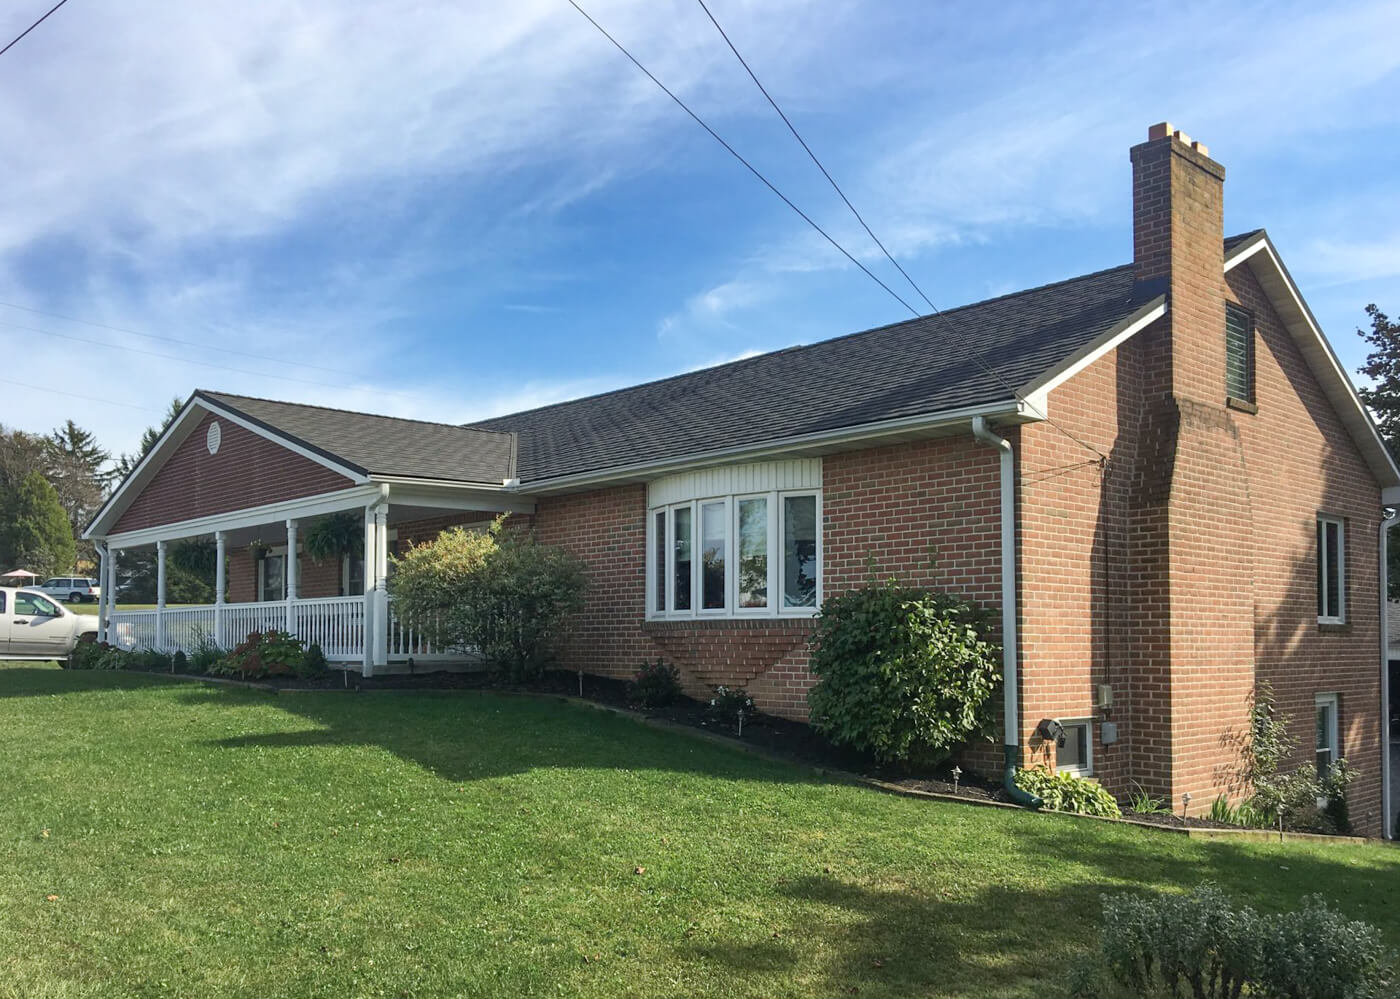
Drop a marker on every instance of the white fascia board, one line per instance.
(1037, 393)
(1317, 351)
(1390, 496)
(462, 498)
(1012, 409)
(1245, 250)
(308, 506)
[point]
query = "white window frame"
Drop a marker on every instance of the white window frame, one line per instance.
(776, 564)
(1328, 701)
(1323, 568)
(1087, 768)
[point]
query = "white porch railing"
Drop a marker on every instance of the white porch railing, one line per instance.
(337, 624)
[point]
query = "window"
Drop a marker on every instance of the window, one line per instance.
(33, 605)
(735, 556)
(352, 576)
(272, 577)
(1076, 756)
(1331, 570)
(1327, 753)
(1239, 353)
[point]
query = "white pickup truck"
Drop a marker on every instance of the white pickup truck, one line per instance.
(32, 626)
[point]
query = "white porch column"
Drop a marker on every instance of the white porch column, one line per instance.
(291, 564)
(381, 585)
(367, 667)
(102, 614)
(109, 590)
(220, 573)
(160, 594)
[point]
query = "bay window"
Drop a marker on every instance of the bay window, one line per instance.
(743, 555)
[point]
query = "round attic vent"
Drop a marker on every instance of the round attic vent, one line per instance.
(215, 434)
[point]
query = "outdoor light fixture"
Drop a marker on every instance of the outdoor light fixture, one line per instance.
(1051, 730)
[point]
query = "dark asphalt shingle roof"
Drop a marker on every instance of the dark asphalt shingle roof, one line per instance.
(911, 368)
(384, 445)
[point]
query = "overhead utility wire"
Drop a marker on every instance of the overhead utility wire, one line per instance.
(78, 395)
(735, 153)
(864, 225)
(172, 339)
(27, 30)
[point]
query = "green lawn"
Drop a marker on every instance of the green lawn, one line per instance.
(208, 841)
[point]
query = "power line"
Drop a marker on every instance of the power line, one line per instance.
(172, 339)
(735, 153)
(168, 357)
(32, 27)
(76, 395)
(871, 233)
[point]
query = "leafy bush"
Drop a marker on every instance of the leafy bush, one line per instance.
(1200, 945)
(904, 674)
(87, 655)
(1290, 795)
(731, 705)
(1064, 792)
(501, 593)
(181, 663)
(656, 684)
(262, 654)
(1144, 803)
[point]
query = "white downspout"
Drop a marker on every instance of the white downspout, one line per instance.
(102, 612)
(1387, 814)
(1011, 710)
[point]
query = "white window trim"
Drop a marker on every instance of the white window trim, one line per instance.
(1333, 727)
(776, 564)
(1322, 567)
(1087, 769)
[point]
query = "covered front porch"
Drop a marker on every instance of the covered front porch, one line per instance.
(264, 578)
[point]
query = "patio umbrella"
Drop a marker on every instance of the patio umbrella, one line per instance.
(18, 574)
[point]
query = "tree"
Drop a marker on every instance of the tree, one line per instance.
(37, 534)
(1382, 397)
(127, 462)
(77, 469)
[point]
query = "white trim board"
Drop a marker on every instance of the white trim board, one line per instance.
(1038, 392)
(354, 498)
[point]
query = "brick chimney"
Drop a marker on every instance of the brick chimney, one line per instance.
(1190, 612)
(1178, 248)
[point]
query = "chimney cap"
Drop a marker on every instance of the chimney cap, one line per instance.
(1164, 130)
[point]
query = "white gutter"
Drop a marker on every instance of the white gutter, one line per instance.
(1387, 814)
(1011, 709)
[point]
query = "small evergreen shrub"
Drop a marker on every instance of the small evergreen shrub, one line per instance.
(904, 674)
(181, 662)
(1201, 945)
(1064, 792)
(656, 684)
(313, 663)
(87, 655)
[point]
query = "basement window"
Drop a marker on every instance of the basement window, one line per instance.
(1076, 756)
(1239, 353)
(1327, 754)
(751, 555)
(1331, 570)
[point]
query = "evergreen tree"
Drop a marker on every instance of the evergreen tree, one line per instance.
(127, 462)
(76, 467)
(36, 533)
(1382, 397)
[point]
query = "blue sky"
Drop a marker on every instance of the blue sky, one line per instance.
(450, 211)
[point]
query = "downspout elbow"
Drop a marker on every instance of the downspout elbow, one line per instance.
(1011, 721)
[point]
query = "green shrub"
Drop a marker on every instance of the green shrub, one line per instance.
(1290, 795)
(262, 654)
(731, 706)
(181, 663)
(87, 655)
(1144, 803)
(904, 674)
(1064, 792)
(655, 684)
(206, 653)
(1200, 945)
(502, 594)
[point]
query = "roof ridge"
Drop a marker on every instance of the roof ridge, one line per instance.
(348, 412)
(800, 346)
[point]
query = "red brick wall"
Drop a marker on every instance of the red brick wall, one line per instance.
(248, 471)
(925, 512)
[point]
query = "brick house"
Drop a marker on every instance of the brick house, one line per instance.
(1159, 472)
